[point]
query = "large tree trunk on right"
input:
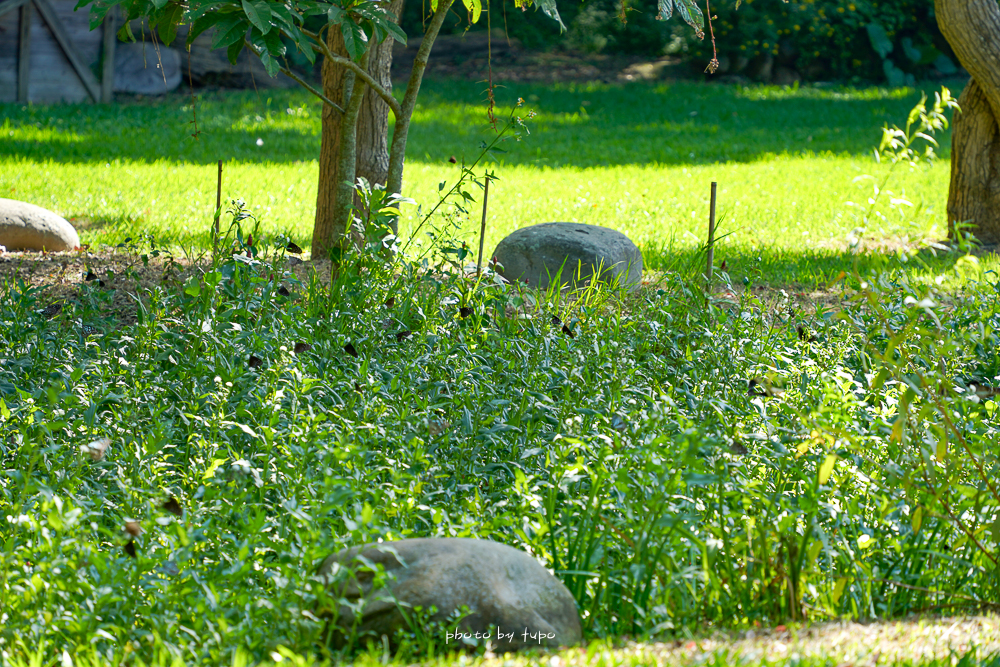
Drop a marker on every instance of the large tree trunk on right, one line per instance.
(974, 193)
(972, 28)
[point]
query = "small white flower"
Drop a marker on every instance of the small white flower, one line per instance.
(260, 142)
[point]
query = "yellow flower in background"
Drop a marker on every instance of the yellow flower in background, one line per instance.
(851, 7)
(840, 10)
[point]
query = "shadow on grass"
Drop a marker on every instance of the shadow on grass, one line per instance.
(814, 269)
(580, 125)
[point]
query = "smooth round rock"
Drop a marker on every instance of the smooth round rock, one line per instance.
(536, 255)
(25, 226)
(514, 602)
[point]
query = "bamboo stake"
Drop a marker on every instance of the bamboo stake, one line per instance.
(482, 229)
(218, 212)
(711, 236)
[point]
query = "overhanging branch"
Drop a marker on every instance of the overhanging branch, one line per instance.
(297, 79)
(361, 72)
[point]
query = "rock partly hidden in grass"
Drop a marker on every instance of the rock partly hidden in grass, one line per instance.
(512, 601)
(25, 226)
(142, 68)
(572, 251)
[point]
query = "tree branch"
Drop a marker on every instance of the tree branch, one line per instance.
(394, 184)
(361, 73)
(294, 77)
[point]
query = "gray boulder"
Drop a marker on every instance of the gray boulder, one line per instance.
(513, 601)
(537, 253)
(141, 67)
(28, 227)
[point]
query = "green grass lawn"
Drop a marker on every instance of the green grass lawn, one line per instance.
(176, 459)
(637, 157)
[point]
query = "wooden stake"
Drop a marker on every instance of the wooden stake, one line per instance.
(482, 228)
(218, 212)
(711, 236)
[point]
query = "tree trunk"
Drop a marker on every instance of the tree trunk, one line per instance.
(373, 124)
(972, 28)
(974, 193)
(372, 136)
(324, 233)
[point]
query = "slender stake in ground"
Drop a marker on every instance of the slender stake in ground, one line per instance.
(218, 212)
(711, 236)
(482, 229)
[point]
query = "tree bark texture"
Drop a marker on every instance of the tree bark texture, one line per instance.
(372, 154)
(334, 77)
(373, 122)
(972, 28)
(974, 192)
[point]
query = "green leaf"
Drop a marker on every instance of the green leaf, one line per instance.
(879, 39)
(168, 23)
(395, 32)
(210, 471)
(160, 4)
(125, 33)
(826, 468)
(97, 12)
(270, 64)
(917, 520)
(475, 9)
(283, 16)
(197, 11)
(274, 44)
(201, 24)
(355, 39)
(233, 52)
(549, 7)
(335, 14)
(229, 29)
(688, 10)
(259, 14)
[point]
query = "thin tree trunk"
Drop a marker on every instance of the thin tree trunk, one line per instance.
(354, 94)
(371, 147)
(399, 135)
(972, 28)
(373, 122)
